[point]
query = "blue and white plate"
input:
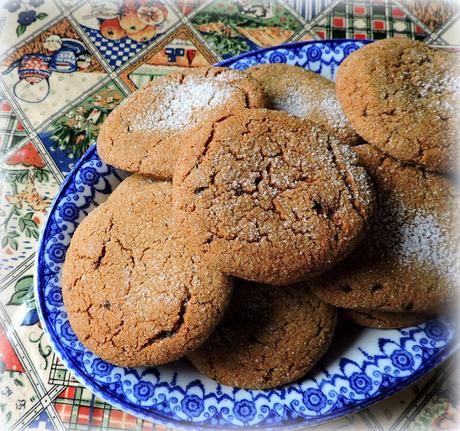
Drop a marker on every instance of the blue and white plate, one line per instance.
(362, 366)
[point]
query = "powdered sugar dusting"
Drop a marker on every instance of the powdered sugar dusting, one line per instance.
(442, 89)
(292, 103)
(416, 236)
(423, 240)
(362, 188)
(304, 102)
(229, 75)
(178, 101)
(438, 83)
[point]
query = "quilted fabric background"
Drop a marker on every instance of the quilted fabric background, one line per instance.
(64, 66)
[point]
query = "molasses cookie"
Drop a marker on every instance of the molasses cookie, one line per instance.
(273, 198)
(403, 97)
(383, 320)
(145, 133)
(408, 260)
(305, 94)
(268, 337)
(134, 293)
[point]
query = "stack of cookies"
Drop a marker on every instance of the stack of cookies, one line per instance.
(261, 204)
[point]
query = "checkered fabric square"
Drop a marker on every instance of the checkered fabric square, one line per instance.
(376, 19)
(11, 129)
(80, 410)
(70, 405)
(60, 375)
(116, 53)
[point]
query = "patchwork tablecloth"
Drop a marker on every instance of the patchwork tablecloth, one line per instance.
(64, 66)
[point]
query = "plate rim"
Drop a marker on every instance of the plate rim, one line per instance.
(289, 45)
(156, 417)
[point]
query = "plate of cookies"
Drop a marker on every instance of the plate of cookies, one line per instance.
(266, 243)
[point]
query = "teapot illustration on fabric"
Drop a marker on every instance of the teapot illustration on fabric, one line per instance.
(63, 56)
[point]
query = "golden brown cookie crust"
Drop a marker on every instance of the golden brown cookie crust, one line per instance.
(384, 320)
(407, 262)
(403, 97)
(269, 336)
(145, 133)
(305, 94)
(274, 199)
(134, 293)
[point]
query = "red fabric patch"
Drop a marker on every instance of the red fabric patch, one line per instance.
(64, 411)
(5, 107)
(121, 420)
(338, 22)
(68, 393)
(8, 355)
(148, 426)
(98, 416)
(83, 415)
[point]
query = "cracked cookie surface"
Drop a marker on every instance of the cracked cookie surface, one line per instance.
(304, 94)
(408, 260)
(403, 97)
(145, 133)
(134, 292)
(273, 198)
(268, 337)
(384, 320)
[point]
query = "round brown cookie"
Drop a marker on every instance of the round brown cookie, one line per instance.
(269, 336)
(403, 97)
(383, 320)
(408, 260)
(305, 94)
(273, 198)
(134, 293)
(146, 131)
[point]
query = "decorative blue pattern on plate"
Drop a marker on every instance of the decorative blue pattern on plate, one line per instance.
(362, 366)
(320, 57)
